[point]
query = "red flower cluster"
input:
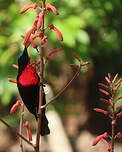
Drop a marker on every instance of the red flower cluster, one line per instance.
(109, 90)
(34, 32)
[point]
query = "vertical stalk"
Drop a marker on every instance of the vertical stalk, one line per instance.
(21, 127)
(113, 129)
(113, 119)
(41, 82)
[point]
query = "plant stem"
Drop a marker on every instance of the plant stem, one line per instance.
(18, 134)
(64, 88)
(21, 127)
(41, 82)
(113, 128)
(113, 119)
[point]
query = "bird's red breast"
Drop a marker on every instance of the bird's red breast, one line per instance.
(28, 76)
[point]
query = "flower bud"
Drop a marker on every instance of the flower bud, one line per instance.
(119, 135)
(15, 106)
(101, 111)
(115, 78)
(28, 34)
(84, 63)
(120, 97)
(12, 80)
(50, 7)
(119, 114)
(98, 138)
(15, 66)
(28, 131)
(40, 21)
(105, 100)
(28, 7)
(105, 92)
(119, 106)
(77, 58)
(74, 66)
(58, 33)
(108, 80)
(103, 85)
(52, 52)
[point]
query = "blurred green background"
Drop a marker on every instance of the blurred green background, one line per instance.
(91, 29)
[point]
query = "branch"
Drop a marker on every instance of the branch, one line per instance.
(21, 127)
(19, 135)
(41, 81)
(62, 90)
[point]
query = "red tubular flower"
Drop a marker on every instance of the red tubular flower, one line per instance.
(119, 135)
(28, 34)
(50, 7)
(33, 37)
(117, 87)
(33, 43)
(30, 40)
(107, 144)
(15, 106)
(120, 97)
(58, 33)
(76, 57)
(28, 7)
(119, 114)
(108, 80)
(84, 63)
(35, 5)
(15, 66)
(105, 100)
(28, 131)
(119, 81)
(115, 78)
(101, 111)
(52, 52)
(27, 43)
(12, 80)
(98, 138)
(40, 21)
(36, 21)
(119, 106)
(105, 92)
(103, 85)
(109, 76)
(44, 39)
(75, 66)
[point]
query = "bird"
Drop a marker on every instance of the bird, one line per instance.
(28, 83)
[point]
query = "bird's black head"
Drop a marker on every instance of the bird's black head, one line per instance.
(23, 60)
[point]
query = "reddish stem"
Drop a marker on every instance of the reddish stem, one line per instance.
(21, 127)
(62, 90)
(18, 134)
(41, 81)
(113, 118)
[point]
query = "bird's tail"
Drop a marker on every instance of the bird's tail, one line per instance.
(44, 125)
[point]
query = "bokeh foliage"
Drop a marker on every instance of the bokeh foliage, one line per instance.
(92, 29)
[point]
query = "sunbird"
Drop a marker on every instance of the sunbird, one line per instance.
(28, 83)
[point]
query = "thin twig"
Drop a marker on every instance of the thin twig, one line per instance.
(19, 135)
(62, 90)
(21, 127)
